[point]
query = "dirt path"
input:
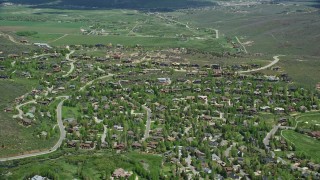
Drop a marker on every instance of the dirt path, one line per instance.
(243, 47)
(12, 39)
(58, 38)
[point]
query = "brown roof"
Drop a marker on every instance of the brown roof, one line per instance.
(120, 173)
(315, 134)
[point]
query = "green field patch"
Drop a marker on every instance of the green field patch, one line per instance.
(304, 144)
(69, 112)
(310, 120)
(26, 33)
(148, 42)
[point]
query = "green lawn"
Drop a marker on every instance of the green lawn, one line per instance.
(84, 165)
(69, 112)
(308, 120)
(151, 162)
(304, 143)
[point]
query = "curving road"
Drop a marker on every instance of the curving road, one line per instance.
(20, 112)
(71, 63)
(275, 61)
(90, 82)
(57, 145)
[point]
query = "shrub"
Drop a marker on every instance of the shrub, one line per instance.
(26, 33)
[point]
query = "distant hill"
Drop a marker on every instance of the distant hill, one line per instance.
(164, 5)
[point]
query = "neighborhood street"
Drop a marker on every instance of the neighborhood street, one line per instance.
(266, 140)
(71, 64)
(275, 61)
(148, 124)
(90, 82)
(104, 135)
(227, 151)
(19, 115)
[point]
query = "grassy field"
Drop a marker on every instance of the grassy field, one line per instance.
(127, 27)
(273, 28)
(309, 120)
(303, 69)
(69, 112)
(15, 138)
(148, 42)
(304, 144)
(85, 165)
(7, 47)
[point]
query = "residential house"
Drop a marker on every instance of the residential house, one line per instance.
(164, 80)
(87, 145)
(315, 134)
(26, 121)
(215, 157)
(118, 127)
(120, 174)
(120, 146)
(136, 145)
(279, 110)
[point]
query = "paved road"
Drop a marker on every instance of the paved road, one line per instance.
(189, 166)
(71, 64)
(104, 135)
(20, 112)
(56, 146)
(227, 151)
(266, 140)
(275, 61)
(148, 125)
(90, 82)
